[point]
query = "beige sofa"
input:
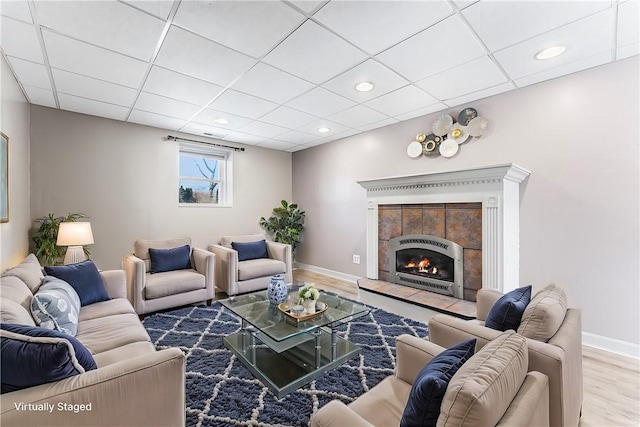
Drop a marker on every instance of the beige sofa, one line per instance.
(134, 385)
(491, 388)
(558, 357)
(238, 277)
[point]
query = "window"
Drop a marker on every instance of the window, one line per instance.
(205, 176)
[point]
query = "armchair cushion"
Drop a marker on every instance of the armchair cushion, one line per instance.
(173, 283)
(56, 305)
(506, 313)
(261, 267)
(544, 314)
(163, 260)
(429, 387)
(84, 278)
(250, 250)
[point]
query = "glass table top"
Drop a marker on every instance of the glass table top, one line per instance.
(256, 310)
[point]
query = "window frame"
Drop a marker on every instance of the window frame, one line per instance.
(225, 174)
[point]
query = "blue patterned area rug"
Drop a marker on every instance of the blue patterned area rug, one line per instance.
(220, 391)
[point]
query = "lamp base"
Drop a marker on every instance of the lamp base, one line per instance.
(74, 255)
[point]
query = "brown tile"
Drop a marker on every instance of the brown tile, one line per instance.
(434, 205)
(383, 255)
(433, 221)
(434, 300)
(472, 269)
(468, 205)
(464, 226)
(411, 221)
(370, 283)
(383, 275)
(389, 223)
(470, 295)
(398, 290)
(466, 308)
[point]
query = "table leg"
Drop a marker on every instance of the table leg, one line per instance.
(253, 349)
(334, 344)
(318, 334)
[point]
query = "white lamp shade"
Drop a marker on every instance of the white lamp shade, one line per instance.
(74, 234)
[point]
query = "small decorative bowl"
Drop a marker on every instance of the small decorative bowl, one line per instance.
(297, 310)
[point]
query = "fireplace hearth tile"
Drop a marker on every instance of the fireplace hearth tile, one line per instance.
(399, 290)
(433, 222)
(411, 221)
(389, 223)
(464, 226)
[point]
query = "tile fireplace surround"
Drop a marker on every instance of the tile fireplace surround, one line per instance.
(495, 188)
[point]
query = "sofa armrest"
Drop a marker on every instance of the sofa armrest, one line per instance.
(412, 353)
(282, 252)
(530, 407)
(226, 269)
(135, 272)
(485, 299)
(448, 331)
(148, 390)
(115, 282)
(336, 413)
(204, 261)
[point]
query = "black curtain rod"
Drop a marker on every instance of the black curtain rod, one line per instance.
(175, 138)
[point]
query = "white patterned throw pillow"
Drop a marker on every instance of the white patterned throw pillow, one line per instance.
(56, 306)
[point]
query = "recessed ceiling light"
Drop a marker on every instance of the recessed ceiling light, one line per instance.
(323, 129)
(364, 86)
(222, 121)
(550, 52)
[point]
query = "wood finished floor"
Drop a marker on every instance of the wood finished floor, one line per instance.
(611, 383)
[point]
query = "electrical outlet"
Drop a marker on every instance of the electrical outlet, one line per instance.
(356, 259)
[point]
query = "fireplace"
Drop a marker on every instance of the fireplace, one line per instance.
(427, 262)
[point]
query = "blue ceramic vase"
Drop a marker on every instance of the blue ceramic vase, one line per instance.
(277, 290)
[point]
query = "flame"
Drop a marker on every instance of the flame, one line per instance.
(423, 263)
(411, 264)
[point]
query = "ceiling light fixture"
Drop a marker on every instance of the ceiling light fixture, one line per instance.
(323, 129)
(222, 121)
(364, 86)
(550, 52)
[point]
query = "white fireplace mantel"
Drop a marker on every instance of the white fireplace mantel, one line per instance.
(496, 187)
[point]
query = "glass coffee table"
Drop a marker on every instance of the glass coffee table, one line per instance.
(286, 354)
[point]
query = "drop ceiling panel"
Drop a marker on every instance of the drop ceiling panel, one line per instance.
(18, 10)
(81, 58)
(438, 48)
(249, 27)
(181, 87)
(40, 96)
(307, 6)
(272, 84)
(31, 74)
(245, 138)
(312, 128)
(166, 106)
(87, 87)
(401, 101)
(288, 117)
(572, 67)
(209, 116)
(505, 23)
(136, 34)
(383, 79)
(156, 120)
(583, 38)
(20, 40)
(320, 102)
(376, 125)
(377, 25)
(276, 145)
(91, 107)
(263, 129)
(462, 101)
(314, 54)
(357, 116)
(627, 51)
(200, 129)
(159, 8)
(467, 78)
(421, 111)
(196, 56)
(628, 26)
(238, 103)
(296, 137)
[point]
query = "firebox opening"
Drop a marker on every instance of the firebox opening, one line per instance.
(425, 263)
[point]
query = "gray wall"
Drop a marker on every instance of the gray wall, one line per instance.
(14, 122)
(578, 135)
(124, 177)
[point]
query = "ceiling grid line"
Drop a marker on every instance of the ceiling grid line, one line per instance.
(45, 56)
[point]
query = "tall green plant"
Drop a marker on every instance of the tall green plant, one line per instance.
(46, 236)
(285, 225)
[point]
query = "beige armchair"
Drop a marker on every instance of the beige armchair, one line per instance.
(152, 292)
(560, 357)
(237, 277)
(491, 388)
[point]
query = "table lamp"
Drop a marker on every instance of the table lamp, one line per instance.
(74, 235)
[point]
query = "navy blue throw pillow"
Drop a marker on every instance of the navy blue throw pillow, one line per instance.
(32, 356)
(250, 250)
(429, 387)
(507, 312)
(170, 259)
(84, 278)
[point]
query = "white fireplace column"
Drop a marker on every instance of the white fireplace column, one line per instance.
(496, 187)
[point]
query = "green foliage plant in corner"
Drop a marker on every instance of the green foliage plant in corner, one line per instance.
(285, 225)
(46, 235)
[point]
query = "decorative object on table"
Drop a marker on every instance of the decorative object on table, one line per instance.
(277, 289)
(299, 313)
(45, 238)
(285, 225)
(74, 235)
(4, 178)
(308, 296)
(446, 132)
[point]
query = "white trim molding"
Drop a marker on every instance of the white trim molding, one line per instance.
(612, 345)
(335, 274)
(496, 187)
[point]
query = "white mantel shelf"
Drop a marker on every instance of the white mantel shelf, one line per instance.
(496, 187)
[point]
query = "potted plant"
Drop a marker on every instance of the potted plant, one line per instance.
(285, 225)
(46, 236)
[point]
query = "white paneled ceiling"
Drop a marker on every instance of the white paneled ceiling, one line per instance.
(272, 73)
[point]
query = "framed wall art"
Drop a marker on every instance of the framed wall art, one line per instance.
(4, 178)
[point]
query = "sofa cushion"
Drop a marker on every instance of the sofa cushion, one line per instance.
(169, 259)
(482, 389)
(125, 352)
(14, 289)
(106, 308)
(250, 250)
(507, 311)
(107, 333)
(33, 356)
(262, 267)
(141, 247)
(429, 387)
(85, 279)
(383, 404)
(29, 271)
(544, 314)
(242, 238)
(173, 282)
(12, 312)
(56, 305)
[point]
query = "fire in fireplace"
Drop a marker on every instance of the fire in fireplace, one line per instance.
(427, 262)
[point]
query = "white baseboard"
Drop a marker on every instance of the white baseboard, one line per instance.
(612, 345)
(335, 274)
